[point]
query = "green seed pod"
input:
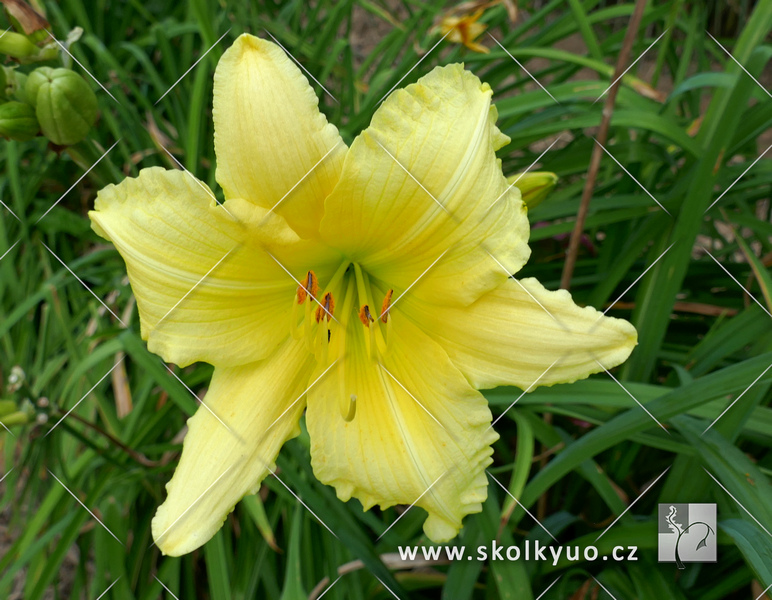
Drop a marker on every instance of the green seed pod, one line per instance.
(35, 79)
(17, 121)
(534, 186)
(20, 93)
(65, 105)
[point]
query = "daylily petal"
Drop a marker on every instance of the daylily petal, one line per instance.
(270, 135)
(433, 432)
(205, 288)
(424, 180)
(513, 334)
(220, 464)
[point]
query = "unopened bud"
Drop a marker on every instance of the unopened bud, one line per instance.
(17, 45)
(7, 407)
(65, 105)
(17, 121)
(534, 186)
(14, 418)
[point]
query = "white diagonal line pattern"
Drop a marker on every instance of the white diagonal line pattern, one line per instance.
(200, 58)
(199, 182)
(646, 410)
(738, 179)
(108, 588)
(287, 271)
(604, 587)
(751, 296)
(106, 152)
(418, 402)
(511, 185)
(764, 592)
(8, 472)
(327, 589)
(86, 507)
(501, 485)
(631, 66)
(190, 291)
(409, 174)
(426, 491)
(202, 403)
(301, 501)
(524, 393)
(544, 308)
(311, 170)
(86, 395)
(267, 429)
(426, 270)
(16, 243)
(735, 400)
(519, 64)
(621, 166)
(737, 501)
(307, 72)
(166, 588)
(629, 287)
(622, 514)
(385, 586)
(201, 495)
(12, 435)
(549, 587)
(8, 208)
(63, 47)
(83, 284)
(729, 54)
(420, 60)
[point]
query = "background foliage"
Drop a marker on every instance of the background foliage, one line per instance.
(703, 339)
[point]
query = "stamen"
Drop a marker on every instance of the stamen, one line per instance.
(365, 316)
(326, 308)
(385, 306)
(311, 286)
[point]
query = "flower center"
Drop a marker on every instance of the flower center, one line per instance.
(330, 332)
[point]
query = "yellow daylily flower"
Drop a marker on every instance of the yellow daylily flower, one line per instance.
(465, 30)
(367, 286)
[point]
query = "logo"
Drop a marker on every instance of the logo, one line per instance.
(687, 533)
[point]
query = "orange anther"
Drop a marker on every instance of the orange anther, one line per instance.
(385, 306)
(310, 286)
(326, 308)
(365, 316)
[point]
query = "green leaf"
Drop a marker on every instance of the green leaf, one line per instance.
(293, 586)
(756, 546)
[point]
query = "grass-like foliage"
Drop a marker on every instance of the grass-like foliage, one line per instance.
(687, 126)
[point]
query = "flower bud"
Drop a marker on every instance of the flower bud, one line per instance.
(7, 407)
(14, 418)
(17, 121)
(10, 414)
(65, 105)
(17, 45)
(534, 186)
